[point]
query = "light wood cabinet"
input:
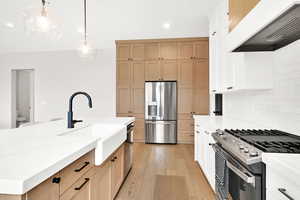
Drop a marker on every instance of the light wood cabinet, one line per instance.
(153, 71)
(81, 189)
(168, 50)
(152, 51)
(137, 74)
(238, 10)
(102, 182)
(130, 52)
(124, 100)
(201, 50)
(183, 60)
(46, 190)
(139, 130)
(169, 70)
(186, 50)
(138, 100)
(201, 74)
(185, 100)
(117, 170)
(186, 74)
(74, 171)
(124, 74)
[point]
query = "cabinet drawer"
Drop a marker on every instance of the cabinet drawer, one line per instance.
(73, 172)
(276, 180)
(81, 189)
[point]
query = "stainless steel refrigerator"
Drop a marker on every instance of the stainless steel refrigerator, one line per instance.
(161, 112)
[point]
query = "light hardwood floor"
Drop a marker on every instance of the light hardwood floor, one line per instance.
(165, 172)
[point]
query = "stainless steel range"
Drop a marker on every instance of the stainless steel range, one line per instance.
(240, 172)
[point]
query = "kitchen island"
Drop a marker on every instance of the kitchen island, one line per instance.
(31, 155)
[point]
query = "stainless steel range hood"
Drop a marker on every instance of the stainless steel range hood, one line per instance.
(282, 31)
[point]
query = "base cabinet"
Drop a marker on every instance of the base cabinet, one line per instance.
(46, 191)
(94, 183)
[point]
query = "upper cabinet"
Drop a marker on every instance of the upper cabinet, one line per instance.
(168, 50)
(152, 51)
(130, 52)
(232, 72)
(238, 10)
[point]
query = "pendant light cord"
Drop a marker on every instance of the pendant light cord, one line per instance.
(85, 24)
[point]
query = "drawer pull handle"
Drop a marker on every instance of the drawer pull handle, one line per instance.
(81, 168)
(283, 191)
(83, 184)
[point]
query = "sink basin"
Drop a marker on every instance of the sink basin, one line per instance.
(78, 127)
(112, 136)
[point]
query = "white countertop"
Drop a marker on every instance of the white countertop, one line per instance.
(30, 155)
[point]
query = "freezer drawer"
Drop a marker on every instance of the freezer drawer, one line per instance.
(161, 132)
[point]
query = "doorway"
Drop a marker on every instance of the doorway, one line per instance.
(22, 97)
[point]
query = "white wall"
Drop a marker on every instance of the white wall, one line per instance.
(58, 75)
(278, 108)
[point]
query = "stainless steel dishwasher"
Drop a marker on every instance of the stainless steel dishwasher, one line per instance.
(128, 158)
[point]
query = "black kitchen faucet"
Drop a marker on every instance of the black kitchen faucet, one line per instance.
(71, 121)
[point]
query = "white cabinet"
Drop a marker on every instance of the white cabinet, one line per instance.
(232, 72)
(280, 184)
(204, 152)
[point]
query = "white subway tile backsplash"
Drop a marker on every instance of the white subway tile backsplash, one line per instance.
(278, 108)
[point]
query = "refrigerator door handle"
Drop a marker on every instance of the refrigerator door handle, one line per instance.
(158, 122)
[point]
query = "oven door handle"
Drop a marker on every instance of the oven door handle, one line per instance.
(248, 178)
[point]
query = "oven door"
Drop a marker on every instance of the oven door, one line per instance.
(245, 182)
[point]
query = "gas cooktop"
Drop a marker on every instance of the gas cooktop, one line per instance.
(248, 145)
(269, 141)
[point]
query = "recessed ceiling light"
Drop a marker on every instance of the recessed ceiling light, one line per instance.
(166, 25)
(9, 25)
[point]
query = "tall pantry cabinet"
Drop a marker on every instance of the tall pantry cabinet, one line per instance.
(183, 60)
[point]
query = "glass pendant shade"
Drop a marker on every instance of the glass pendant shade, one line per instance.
(39, 20)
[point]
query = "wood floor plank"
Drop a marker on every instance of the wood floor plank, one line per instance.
(165, 172)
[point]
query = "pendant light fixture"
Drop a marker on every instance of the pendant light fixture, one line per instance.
(37, 20)
(85, 49)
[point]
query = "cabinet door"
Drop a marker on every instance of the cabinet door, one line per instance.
(201, 50)
(153, 71)
(139, 130)
(238, 10)
(46, 191)
(137, 52)
(138, 74)
(123, 52)
(124, 74)
(138, 100)
(123, 100)
(201, 75)
(185, 101)
(186, 50)
(152, 51)
(186, 74)
(117, 170)
(201, 101)
(168, 50)
(102, 182)
(169, 70)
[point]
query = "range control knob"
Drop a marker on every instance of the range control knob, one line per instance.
(246, 150)
(253, 154)
(220, 132)
(241, 147)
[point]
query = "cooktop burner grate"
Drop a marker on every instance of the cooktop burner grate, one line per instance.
(273, 141)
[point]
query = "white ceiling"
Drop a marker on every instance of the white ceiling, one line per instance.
(108, 20)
